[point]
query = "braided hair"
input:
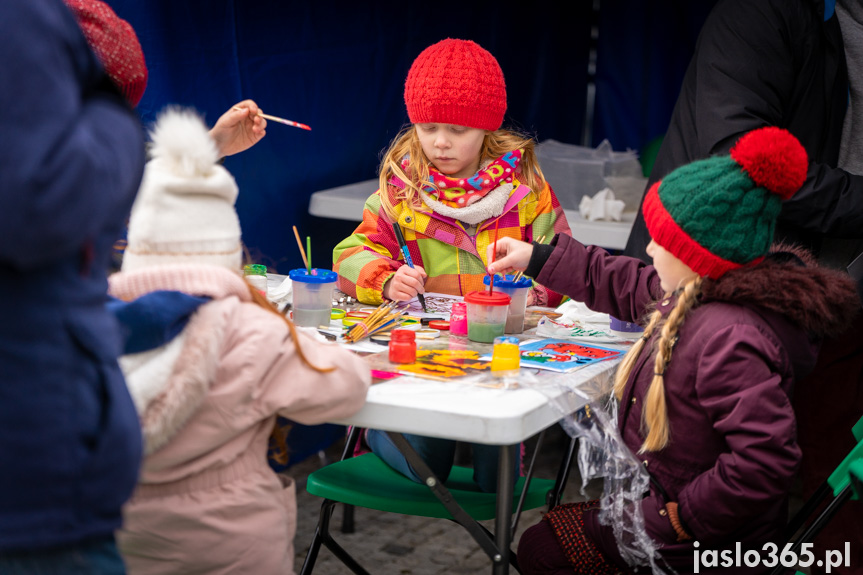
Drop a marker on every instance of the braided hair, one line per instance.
(655, 412)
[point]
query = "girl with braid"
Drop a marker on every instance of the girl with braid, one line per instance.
(731, 323)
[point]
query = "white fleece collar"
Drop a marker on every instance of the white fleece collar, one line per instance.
(491, 206)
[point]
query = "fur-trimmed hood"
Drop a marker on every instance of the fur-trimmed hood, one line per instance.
(168, 384)
(790, 283)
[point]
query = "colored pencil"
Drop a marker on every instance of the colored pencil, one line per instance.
(302, 251)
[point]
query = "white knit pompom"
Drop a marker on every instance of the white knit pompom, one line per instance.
(181, 139)
(184, 212)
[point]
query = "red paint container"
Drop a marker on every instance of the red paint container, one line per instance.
(403, 346)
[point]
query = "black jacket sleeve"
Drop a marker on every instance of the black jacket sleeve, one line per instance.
(768, 63)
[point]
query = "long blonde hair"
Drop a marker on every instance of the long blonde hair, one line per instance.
(407, 143)
(655, 412)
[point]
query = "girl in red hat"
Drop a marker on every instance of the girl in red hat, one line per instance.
(448, 181)
(451, 181)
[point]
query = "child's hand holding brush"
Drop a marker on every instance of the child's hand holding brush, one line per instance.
(405, 284)
(512, 255)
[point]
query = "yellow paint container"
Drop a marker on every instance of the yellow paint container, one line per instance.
(506, 355)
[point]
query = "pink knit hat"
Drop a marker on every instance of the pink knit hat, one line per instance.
(456, 82)
(115, 43)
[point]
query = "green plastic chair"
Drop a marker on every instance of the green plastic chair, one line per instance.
(839, 486)
(366, 481)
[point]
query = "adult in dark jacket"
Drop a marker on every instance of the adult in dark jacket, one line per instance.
(768, 63)
(704, 395)
(71, 159)
(781, 63)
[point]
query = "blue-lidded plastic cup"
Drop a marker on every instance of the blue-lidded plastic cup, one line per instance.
(517, 292)
(312, 296)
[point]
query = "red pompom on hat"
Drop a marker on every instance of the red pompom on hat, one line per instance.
(456, 82)
(115, 43)
(774, 159)
(719, 213)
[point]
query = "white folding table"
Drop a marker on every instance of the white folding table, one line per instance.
(465, 412)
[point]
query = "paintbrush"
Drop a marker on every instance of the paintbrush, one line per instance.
(362, 328)
(494, 255)
(380, 320)
(408, 260)
(281, 120)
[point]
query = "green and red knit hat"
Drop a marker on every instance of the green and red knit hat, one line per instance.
(456, 82)
(719, 214)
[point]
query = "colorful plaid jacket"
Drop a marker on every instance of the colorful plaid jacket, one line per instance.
(454, 260)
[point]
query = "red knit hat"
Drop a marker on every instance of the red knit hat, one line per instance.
(115, 43)
(456, 82)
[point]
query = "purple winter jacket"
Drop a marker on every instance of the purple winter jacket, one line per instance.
(733, 453)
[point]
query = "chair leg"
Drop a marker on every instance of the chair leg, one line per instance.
(348, 525)
(527, 480)
(321, 531)
(344, 557)
(440, 491)
(323, 537)
(808, 508)
(818, 524)
(825, 516)
(348, 518)
(555, 495)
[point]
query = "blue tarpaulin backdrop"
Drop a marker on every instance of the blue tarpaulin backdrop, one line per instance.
(340, 67)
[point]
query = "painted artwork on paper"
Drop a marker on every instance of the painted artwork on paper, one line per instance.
(437, 304)
(445, 364)
(563, 355)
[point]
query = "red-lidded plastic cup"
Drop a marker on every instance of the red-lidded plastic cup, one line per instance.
(486, 315)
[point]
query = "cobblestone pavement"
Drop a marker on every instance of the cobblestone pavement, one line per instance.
(389, 543)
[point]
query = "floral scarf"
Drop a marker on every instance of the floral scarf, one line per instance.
(462, 192)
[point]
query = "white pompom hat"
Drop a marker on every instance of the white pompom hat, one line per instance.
(184, 211)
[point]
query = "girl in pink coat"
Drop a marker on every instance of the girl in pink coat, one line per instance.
(210, 364)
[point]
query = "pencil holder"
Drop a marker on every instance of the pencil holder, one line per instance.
(312, 296)
(517, 292)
